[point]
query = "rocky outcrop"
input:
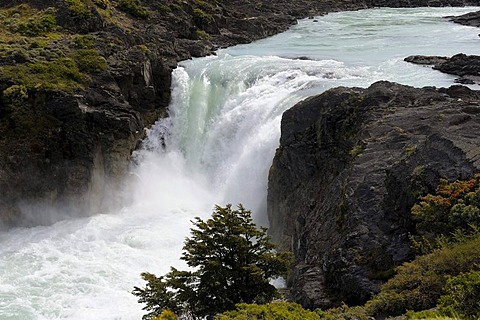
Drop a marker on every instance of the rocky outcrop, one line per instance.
(465, 66)
(350, 165)
(469, 19)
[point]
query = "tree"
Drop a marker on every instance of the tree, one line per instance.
(232, 260)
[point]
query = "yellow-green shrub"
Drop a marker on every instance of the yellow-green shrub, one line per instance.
(270, 311)
(89, 60)
(79, 9)
(419, 284)
(462, 296)
(134, 8)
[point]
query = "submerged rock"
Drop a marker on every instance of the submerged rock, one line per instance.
(350, 165)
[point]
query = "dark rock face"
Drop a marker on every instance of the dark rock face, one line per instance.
(470, 19)
(350, 165)
(69, 167)
(465, 66)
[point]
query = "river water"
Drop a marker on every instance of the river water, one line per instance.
(216, 148)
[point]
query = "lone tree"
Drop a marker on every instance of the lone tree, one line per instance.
(233, 262)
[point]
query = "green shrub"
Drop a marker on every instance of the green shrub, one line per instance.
(202, 35)
(274, 310)
(134, 8)
(455, 206)
(84, 42)
(102, 4)
(345, 312)
(38, 26)
(201, 18)
(79, 9)
(419, 284)
(462, 296)
(429, 315)
(89, 60)
(59, 74)
(204, 5)
(166, 315)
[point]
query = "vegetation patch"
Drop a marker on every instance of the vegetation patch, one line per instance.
(79, 9)
(461, 298)
(201, 18)
(60, 74)
(102, 4)
(274, 310)
(89, 60)
(451, 214)
(419, 284)
(134, 8)
(84, 42)
(27, 21)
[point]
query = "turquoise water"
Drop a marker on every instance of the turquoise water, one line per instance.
(216, 147)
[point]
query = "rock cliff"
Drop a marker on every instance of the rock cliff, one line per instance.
(350, 165)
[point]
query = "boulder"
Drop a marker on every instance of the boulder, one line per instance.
(350, 165)
(465, 66)
(471, 19)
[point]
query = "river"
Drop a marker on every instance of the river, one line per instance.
(216, 148)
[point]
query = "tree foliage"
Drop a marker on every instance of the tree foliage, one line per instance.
(232, 260)
(452, 214)
(455, 205)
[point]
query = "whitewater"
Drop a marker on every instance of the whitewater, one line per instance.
(215, 148)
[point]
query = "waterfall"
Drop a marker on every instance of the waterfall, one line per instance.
(215, 148)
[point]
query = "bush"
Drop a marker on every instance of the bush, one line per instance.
(84, 42)
(59, 74)
(134, 8)
(455, 206)
(274, 310)
(102, 4)
(419, 284)
(38, 26)
(78, 9)
(462, 296)
(234, 263)
(89, 60)
(201, 18)
(166, 315)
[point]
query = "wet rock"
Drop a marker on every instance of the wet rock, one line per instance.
(465, 66)
(469, 19)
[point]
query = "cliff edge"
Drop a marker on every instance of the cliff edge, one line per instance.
(350, 165)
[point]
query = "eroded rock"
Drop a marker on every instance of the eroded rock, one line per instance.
(350, 165)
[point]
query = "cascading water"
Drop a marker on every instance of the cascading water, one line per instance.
(216, 148)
